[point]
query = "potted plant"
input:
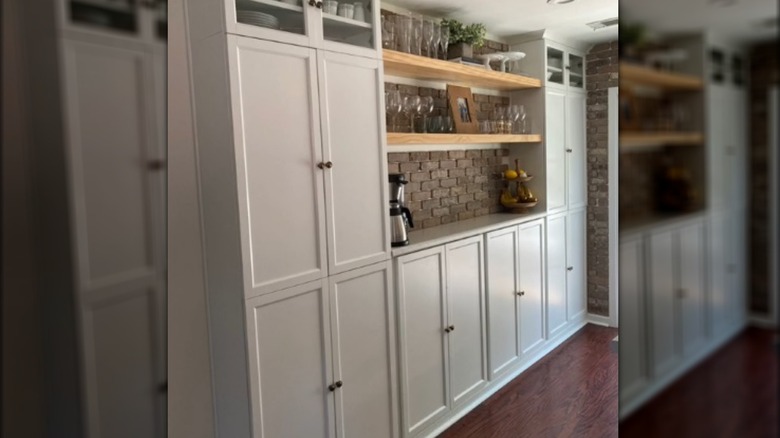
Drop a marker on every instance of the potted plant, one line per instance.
(464, 38)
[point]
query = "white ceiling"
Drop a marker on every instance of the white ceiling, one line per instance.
(732, 20)
(505, 19)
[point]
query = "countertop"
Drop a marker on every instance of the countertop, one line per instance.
(657, 221)
(430, 237)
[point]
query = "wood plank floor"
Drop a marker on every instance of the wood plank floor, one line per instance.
(572, 392)
(734, 393)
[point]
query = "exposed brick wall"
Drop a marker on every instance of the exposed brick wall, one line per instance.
(763, 73)
(601, 74)
(450, 186)
(486, 104)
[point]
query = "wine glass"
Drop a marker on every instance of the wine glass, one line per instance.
(393, 106)
(513, 113)
(426, 108)
(411, 107)
(427, 27)
(417, 34)
(445, 39)
(522, 121)
(434, 50)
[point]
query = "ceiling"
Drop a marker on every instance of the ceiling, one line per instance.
(733, 20)
(506, 19)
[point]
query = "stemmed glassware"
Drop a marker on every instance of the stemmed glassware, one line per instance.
(426, 108)
(388, 32)
(427, 26)
(411, 107)
(522, 120)
(393, 106)
(417, 34)
(433, 52)
(445, 39)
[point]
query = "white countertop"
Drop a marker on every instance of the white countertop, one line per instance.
(439, 235)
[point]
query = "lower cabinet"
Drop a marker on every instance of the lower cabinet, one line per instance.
(727, 237)
(322, 358)
(566, 270)
(515, 293)
(633, 374)
(442, 330)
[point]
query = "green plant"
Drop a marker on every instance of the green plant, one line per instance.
(473, 34)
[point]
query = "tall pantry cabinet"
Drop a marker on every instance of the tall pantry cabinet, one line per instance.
(293, 195)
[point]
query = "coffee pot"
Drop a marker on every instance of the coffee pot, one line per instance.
(400, 215)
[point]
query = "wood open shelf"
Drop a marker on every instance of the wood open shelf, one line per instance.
(669, 138)
(632, 74)
(420, 67)
(401, 138)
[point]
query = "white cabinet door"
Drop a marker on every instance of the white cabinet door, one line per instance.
(576, 181)
(720, 301)
(633, 370)
(355, 185)
(466, 323)
(361, 303)
(576, 279)
(423, 348)
(501, 269)
(663, 302)
(117, 211)
(555, 145)
(532, 273)
(692, 287)
(277, 147)
(556, 274)
(288, 335)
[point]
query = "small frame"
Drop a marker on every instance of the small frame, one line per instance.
(464, 110)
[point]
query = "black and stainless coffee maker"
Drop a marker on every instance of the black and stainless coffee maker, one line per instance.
(400, 216)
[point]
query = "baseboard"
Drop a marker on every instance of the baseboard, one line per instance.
(598, 320)
(762, 321)
(657, 386)
(494, 386)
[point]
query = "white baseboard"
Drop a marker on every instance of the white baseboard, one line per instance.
(598, 320)
(762, 321)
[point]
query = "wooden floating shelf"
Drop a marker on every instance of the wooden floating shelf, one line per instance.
(632, 74)
(402, 138)
(419, 67)
(668, 138)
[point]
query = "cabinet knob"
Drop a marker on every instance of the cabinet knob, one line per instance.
(569, 150)
(521, 293)
(332, 387)
(319, 5)
(570, 268)
(339, 384)
(155, 164)
(312, 3)
(329, 164)
(452, 328)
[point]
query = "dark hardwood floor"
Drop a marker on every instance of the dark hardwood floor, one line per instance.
(572, 392)
(734, 393)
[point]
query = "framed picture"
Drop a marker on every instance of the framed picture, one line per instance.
(464, 110)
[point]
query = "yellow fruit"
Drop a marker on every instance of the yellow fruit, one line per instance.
(521, 173)
(510, 174)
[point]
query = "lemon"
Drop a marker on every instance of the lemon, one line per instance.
(510, 174)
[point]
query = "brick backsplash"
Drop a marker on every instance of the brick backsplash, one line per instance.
(486, 104)
(450, 186)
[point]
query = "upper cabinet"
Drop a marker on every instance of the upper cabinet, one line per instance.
(345, 27)
(565, 68)
(145, 21)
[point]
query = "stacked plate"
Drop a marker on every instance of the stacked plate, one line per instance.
(257, 19)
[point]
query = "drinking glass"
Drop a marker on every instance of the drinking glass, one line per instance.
(427, 33)
(522, 120)
(435, 124)
(411, 108)
(499, 119)
(417, 34)
(393, 106)
(434, 50)
(447, 124)
(403, 32)
(486, 126)
(388, 32)
(445, 40)
(426, 107)
(331, 7)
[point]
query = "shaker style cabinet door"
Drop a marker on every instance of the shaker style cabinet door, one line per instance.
(556, 274)
(466, 304)
(288, 335)
(422, 308)
(532, 273)
(633, 375)
(692, 287)
(501, 275)
(356, 170)
(663, 302)
(361, 308)
(576, 265)
(277, 148)
(576, 180)
(555, 145)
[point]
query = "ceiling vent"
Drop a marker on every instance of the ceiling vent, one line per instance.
(601, 24)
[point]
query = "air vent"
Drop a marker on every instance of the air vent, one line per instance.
(601, 24)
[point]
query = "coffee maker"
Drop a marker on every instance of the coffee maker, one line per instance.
(400, 216)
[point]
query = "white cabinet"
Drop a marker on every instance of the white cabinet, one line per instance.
(633, 373)
(566, 150)
(576, 267)
(324, 349)
(531, 289)
(442, 330)
(322, 211)
(502, 278)
(559, 66)
(676, 294)
(301, 22)
(556, 274)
